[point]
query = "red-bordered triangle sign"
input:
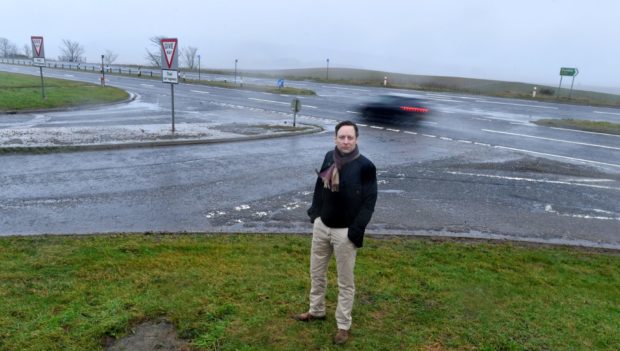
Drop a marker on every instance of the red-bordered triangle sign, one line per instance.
(169, 47)
(37, 44)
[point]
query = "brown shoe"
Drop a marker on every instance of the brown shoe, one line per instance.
(307, 317)
(341, 337)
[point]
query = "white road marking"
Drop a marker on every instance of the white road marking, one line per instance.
(357, 113)
(445, 100)
(327, 86)
(608, 113)
(549, 208)
(514, 104)
(446, 138)
(429, 135)
(200, 91)
(362, 125)
(558, 156)
(147, 85)
(464, 141)
(585, 131)
(481, 144)
(271, 101)
(532, 180)
(309, 106)
(375, 127)
(412, 133)
(393, 130)
(552, 139)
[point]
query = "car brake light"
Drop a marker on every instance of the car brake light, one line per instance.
(414, 109)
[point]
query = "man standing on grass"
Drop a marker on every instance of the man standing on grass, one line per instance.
(344, 200)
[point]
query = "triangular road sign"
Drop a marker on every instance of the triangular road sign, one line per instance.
(37, 45)
(169, 49)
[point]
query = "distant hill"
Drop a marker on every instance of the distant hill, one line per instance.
(439, 83)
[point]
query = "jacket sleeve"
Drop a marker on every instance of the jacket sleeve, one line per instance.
(317, 199)
(369, 198)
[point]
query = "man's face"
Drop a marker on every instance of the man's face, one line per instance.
(346, 139)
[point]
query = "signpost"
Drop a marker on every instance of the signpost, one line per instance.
(170, 66)
(570, 72)
(38, 58)
(296, 107)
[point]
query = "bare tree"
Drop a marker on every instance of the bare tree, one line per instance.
(153, 56)
(7, 49)
(28, 50)
(109, 57)
(72, 51)
(189, 56)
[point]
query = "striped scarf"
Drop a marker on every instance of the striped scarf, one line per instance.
(331, 176)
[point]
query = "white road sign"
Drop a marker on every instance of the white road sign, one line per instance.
(169, 53)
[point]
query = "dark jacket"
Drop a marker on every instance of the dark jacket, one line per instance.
(353, 205)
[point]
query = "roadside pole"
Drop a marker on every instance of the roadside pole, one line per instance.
(296, 107)
(169, 67)
(172, 94)
(42, 84)
(38, 58)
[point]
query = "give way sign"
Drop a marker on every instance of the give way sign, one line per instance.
(169, 50)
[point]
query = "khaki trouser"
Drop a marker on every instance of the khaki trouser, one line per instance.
(325, 241)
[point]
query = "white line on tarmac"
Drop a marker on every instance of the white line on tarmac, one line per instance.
(200, 91)
(550, 209)
(558, 156)
(147, 85)
(607, 113)
(532, 180)
(375, 127)
(429, 135)
(357, 113)
(585, 131)
(412, 133)
(552, 139)
(514, 104)
(327, 86)
(393, 130)
(309, 106)
(443, 99)
(271, 101)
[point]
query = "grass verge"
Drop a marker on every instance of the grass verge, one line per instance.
(237, 292)
(590, 126)
(23, 92)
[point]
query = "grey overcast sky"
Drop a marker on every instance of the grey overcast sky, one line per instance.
(516, 40)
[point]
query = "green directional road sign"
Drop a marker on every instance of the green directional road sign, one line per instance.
(567, 71)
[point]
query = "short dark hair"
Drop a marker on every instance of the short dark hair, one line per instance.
(348, 123)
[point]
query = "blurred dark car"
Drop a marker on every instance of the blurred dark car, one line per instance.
(395, 106)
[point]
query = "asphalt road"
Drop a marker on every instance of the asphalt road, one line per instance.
(475, 168)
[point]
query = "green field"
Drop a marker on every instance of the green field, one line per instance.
(20, 92)
(238, 292)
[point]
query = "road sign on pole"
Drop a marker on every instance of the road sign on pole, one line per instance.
(170, 66)
(38, 52)
(569, 71)
(38, 58)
